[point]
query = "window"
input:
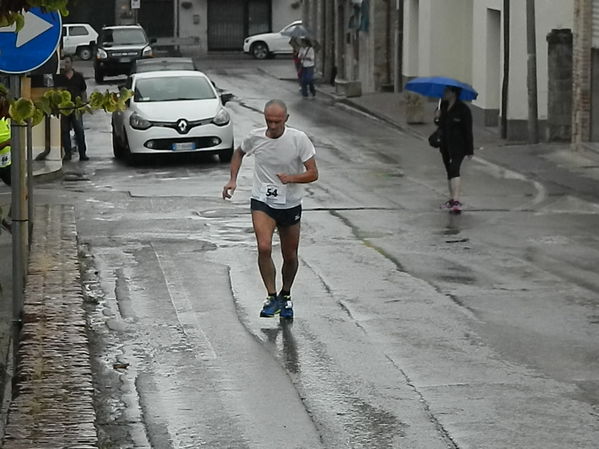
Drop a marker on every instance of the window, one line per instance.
(78, 31)
(124, 37)
(173, 89)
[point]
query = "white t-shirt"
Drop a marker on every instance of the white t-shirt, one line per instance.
(306, 56)
(285, 154)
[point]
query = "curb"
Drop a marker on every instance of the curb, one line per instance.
(53, 400)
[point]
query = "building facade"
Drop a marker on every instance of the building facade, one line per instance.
(380, 44)
(214, 24)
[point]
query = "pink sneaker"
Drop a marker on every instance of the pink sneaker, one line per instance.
(456, 207)
(447, 204)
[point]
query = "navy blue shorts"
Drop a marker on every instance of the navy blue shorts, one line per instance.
(283, 217)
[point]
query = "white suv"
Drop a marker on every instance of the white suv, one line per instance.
(79, 39)
(261, 46)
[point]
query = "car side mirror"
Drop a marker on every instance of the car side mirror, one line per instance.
(226, 97)
(153, 40)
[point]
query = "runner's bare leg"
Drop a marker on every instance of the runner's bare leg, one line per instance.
(264, 227)
(290, 236)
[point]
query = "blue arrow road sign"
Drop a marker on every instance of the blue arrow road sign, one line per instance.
(27, 49)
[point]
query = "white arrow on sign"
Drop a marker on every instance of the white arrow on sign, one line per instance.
(32, 28)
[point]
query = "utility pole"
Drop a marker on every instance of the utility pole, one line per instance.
(531, 43)
(19, 210)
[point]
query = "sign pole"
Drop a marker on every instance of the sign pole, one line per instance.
(29, 183)
(18, 188)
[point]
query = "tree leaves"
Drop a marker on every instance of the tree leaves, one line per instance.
(56, 102)
(21, 110)
(12, 11)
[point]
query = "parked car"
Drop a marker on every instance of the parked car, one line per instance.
(79, 39)
(118, 47)
(161, 64)
(261, 46)
(176, 111)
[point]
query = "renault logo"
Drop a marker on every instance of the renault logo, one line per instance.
(183, 126)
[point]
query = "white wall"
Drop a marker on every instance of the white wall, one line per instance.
(188, 28)
(411, 49)
(550, 14)
(482, 62)
(450, 44)
(283, 13)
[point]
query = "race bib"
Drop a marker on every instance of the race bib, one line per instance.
(4, 159)
(274, 193)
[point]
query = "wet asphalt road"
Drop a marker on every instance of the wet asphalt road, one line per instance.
(413, 329)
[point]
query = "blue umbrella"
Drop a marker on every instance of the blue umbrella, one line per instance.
(434, 86)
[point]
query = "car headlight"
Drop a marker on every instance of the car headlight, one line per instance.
(147, 52)
(138, 122)
(222, 118)
(101, 54)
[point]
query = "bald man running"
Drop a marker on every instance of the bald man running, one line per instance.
(285, 159)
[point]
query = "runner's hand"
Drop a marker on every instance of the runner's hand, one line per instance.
(229, 189)
(285, 179)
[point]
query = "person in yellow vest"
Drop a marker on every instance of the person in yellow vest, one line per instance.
(5, 149)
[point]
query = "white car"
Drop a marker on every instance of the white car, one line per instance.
(176, 111)
(78, 39)
(261, 46)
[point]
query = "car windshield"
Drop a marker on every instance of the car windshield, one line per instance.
(152, 66)
(124, 37)
(172, 89)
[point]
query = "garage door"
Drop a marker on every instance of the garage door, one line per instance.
(157, 17)
(231, 21)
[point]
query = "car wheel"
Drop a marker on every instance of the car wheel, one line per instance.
(98, 76)
(260, 50)
(85, 53)
(225, 155)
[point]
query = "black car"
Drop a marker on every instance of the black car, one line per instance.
(117, 48)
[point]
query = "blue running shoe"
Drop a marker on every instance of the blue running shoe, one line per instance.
(271, 307)
(286, 307)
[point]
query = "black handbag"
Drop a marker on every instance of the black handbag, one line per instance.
(435, 140)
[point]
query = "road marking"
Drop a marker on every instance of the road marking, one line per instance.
(33, 27)
(184, 310)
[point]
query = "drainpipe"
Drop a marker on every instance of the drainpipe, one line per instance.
(399, 6)
(506, 68)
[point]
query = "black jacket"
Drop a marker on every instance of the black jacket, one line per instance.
(456, 128)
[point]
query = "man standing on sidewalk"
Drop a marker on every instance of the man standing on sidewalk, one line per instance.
(285, 159)
(74, 82)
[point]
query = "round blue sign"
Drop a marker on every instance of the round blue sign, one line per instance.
(29, 48)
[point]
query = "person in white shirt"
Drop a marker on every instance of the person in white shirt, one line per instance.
(307, 58)
(285, 159)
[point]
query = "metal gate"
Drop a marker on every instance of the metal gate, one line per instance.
(89, 12)
(157, 17)
(231, 21)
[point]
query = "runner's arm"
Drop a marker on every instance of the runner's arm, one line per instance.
(310, 175)
(236, 160)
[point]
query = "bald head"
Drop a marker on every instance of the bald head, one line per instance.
(279, 104)
(275, 114)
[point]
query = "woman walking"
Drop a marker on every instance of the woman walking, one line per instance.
(307, 57)
(455, 122)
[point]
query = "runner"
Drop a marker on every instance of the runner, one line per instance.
(285, 159)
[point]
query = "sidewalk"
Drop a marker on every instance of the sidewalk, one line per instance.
(53, 401)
